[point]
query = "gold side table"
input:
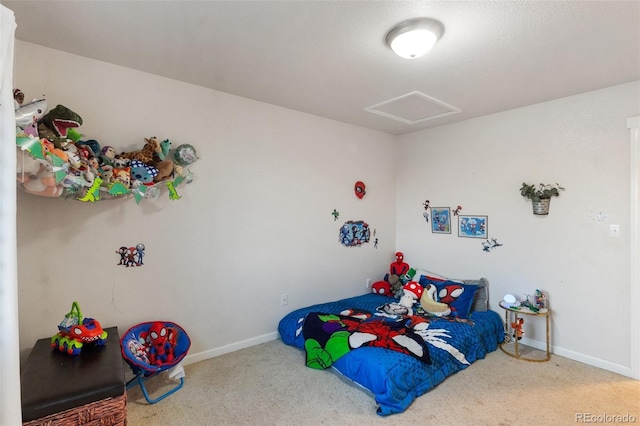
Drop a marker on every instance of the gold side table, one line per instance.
(516, 312)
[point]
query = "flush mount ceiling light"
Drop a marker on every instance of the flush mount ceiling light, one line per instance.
(415, 37)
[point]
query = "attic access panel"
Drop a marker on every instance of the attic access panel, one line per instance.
(414, 107)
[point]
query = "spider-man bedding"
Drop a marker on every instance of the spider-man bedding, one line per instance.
(387, 358)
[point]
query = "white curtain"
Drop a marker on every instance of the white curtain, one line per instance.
(10, 406)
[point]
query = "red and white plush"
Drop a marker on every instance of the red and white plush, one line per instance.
(382, 288)
(412, 291)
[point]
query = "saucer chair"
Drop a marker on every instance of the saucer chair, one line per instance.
(133, 351)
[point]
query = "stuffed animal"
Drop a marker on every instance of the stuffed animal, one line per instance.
(106, 173)
(396, 285)
(165, 147)
(55, 124)
(151, 148)
(42, 183)
(120, 162)
(160, 343)
(397, 271)
(165, 170)
(430, 305)
(107, 153)
(26, 164)
(122, 176)
(412, 291)
(382, 288)
(518, 332)
(142, 172)
(399, 267)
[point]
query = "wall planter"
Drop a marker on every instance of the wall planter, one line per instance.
(540, 196)
(541, 207)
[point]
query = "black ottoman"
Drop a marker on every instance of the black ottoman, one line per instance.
(85, 389)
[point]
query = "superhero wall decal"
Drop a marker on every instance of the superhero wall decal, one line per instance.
(131, 256)
(354, 233)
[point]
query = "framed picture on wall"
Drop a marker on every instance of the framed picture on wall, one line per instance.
(441, 220)
(473, 226)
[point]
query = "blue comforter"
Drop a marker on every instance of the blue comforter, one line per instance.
(397, 379)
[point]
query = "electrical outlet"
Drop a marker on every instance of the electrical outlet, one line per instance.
(284, 299)
(614, 231)
(368, 283)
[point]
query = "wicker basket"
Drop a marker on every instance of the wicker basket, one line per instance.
(106, 412)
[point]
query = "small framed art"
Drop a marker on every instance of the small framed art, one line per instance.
(472, 226)
(441, 220)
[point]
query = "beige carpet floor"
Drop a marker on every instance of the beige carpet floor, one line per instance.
(269, 384)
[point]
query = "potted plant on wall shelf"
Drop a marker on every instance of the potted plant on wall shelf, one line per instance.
(540, 195)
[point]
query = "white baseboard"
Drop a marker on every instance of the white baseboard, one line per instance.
(576, 356)
(212, 353)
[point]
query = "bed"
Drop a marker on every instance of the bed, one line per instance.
(396, 376)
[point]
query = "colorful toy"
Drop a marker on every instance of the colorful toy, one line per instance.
(143, 172)
(540, 300)
(42, 183)
(30, 113)
(399, 267)
(165, 147)
(60, 164)
(122, 176)
(398, 270)
(412, 292)
(55, 124)
(146, 154)
(160, 342)
(164, 170)
(120, 162)
(74, 332)
(382, 288)
(431, 305)
(518, 332)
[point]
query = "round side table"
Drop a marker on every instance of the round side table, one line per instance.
(516, 312)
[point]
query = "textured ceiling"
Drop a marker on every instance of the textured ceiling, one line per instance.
(329, 58)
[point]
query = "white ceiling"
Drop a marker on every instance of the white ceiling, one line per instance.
(329, 58)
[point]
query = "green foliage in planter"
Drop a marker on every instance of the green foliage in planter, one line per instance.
(541, 191)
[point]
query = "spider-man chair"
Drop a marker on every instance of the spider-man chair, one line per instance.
(151, 348)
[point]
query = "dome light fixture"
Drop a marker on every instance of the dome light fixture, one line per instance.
(415, 37)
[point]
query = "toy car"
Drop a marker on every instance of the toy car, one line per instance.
(74, 332)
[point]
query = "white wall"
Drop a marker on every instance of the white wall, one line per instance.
(254, 224)
(581, 142)
(257, 220)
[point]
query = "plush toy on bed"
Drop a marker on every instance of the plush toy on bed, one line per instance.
(411, 293)
(382, 288)
(430, 305)
(397, 270)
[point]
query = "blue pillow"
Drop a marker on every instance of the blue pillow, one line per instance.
(457, 295)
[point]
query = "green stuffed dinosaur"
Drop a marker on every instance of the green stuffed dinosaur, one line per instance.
(55, 124)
